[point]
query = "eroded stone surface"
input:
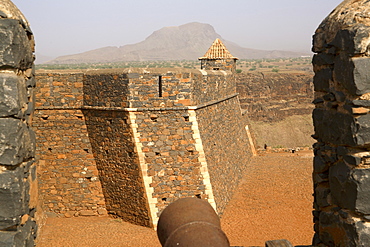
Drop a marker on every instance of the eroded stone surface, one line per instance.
(342, 126)
(349, 21)
(18, 195)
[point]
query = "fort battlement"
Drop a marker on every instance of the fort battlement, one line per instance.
(130, 141)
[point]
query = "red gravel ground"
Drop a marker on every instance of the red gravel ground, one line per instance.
(274, 201)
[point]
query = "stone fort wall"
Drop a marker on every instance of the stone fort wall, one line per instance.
(129, 142)
(272, 97)
(224, 139)
(69, 182)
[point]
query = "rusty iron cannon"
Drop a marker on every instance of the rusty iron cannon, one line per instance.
(190, 222)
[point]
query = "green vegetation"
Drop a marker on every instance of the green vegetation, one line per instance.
(134, 64)
(283, 65)
(286, 65)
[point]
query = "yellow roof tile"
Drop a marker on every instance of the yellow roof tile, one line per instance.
(218, 51)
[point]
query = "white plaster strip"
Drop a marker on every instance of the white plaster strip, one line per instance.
(251, 144)
(203, 72)
(202, 158)
(144, 171)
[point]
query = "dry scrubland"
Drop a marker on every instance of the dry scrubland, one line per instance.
(294, 131)
(285, 65)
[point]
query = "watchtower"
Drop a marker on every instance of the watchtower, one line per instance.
(218, 58)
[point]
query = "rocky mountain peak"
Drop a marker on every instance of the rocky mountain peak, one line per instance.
(185, 42)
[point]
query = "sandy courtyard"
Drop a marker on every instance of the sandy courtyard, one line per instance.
(273, 201)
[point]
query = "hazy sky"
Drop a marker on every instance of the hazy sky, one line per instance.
(63, 27)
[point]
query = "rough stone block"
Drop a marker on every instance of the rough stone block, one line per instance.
(352, 160)
(319, 178)
(329, 97)
(318, 42)
(26, 234)
(343, 190)
(15, 48)
(334, 127)
(340, 96)
(17, 141)
(322, 80)
(316, 239)
(280, 242)
(350, 189)
(319, 164)
(321, 196)
(8, 222)
(353, 73)
(360, 177)
(351, 40)
(318, 101)
(342, 150)
(336, 231)
(7, 239)
(323, 59)
(363, 130)
(12, 197)
(365, 103)
(12, 94)
(363, 232)
(344, 41)
(361, 75)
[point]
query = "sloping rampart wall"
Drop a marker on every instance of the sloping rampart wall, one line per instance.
(109, 142)
(225, 143)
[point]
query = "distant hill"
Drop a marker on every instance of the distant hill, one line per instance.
(185, 42)
(40, 58)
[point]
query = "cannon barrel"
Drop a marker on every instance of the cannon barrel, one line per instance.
(190, 222)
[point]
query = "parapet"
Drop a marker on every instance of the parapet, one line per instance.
(135, 88)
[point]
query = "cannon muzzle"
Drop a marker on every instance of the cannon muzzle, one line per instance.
(190, 222)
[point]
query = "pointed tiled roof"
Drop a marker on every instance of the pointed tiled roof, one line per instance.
(218, 51)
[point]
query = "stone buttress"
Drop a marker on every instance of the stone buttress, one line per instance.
(153, 136)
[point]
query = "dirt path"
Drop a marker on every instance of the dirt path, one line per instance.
(274, 201)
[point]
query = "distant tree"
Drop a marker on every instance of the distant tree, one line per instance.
(239, 71)
(275, 70)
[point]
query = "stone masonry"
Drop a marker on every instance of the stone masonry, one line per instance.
(69, 182)
(18, 186)
(131, 141)
(272, 97)
(342, 125)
